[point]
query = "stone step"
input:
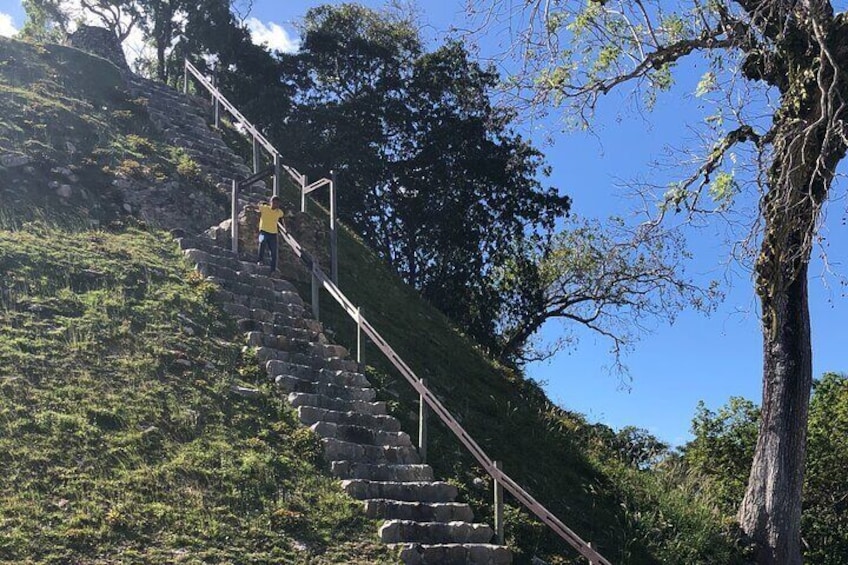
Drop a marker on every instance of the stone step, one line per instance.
(322, 401)
(259, 292)
(294, 384)
(254, 281)
(277, 318)
(425, 491)
(231, 267)
(311, 414)
(361, 434)
(341, 378)
(235, 262)
(205, 244)
(333, 363)
(287, 305)
(370, 471)
(384, 508)
(453, 554)
(285, 308)
(339, 450)
(247, 325)
(398, 531)
(295, 345)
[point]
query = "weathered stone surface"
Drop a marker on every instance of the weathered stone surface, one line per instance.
(294, 384)
(395, 531)
(361, 434)
(381, 472)
(419, 511)
(340, 450)
(453, 554)
(426, 491)
(310, 414)
(245, 391)
(13, 160)
(101, 42)
(298, 399)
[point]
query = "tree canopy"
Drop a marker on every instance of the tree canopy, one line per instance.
(778, 76)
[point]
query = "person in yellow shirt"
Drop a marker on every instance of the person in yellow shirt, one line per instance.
(269, 215)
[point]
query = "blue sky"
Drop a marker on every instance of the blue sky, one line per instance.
(698, 358)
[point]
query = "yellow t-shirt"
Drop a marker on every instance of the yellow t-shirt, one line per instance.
(268, 218)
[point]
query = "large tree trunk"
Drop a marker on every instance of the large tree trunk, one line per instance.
(771, 509)
(799, 179)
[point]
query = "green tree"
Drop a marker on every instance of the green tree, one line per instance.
(639, 448)
(432, 174)
(790, 56)
(602, 277)
(44, 22)
(119, 16)
(825, 518)
(723, 449)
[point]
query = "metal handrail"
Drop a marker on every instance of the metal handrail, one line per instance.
(547, 517)
(231, 108)
(582, 547)
(298, 177)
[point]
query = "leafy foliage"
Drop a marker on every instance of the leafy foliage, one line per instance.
(723, 448)
(432, 175)
(786, 57)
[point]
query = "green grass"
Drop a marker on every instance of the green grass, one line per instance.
(121, 440)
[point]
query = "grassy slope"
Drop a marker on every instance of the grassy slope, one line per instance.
(634, 517)
(121, 438)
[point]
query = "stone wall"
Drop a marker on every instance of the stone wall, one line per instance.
(101, 42)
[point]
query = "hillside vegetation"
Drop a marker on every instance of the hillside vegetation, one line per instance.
(121, 437)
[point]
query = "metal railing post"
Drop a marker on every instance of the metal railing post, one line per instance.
(430, 402)
(234, 217)
(591, 562)
(304, 182)
(316, 287)
(256, 155)
(334, 240)
(359, 355)
(216, 108)
(422, 425)
(278, 175)
(185, 77)
(499, 521)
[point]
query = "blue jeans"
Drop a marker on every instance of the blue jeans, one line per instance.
(268, 241)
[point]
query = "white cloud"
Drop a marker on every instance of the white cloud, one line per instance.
(7, 27)
(275, 37)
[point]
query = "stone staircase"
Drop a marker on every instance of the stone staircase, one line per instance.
(363, 445)
(182, 122)
(365, 448)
